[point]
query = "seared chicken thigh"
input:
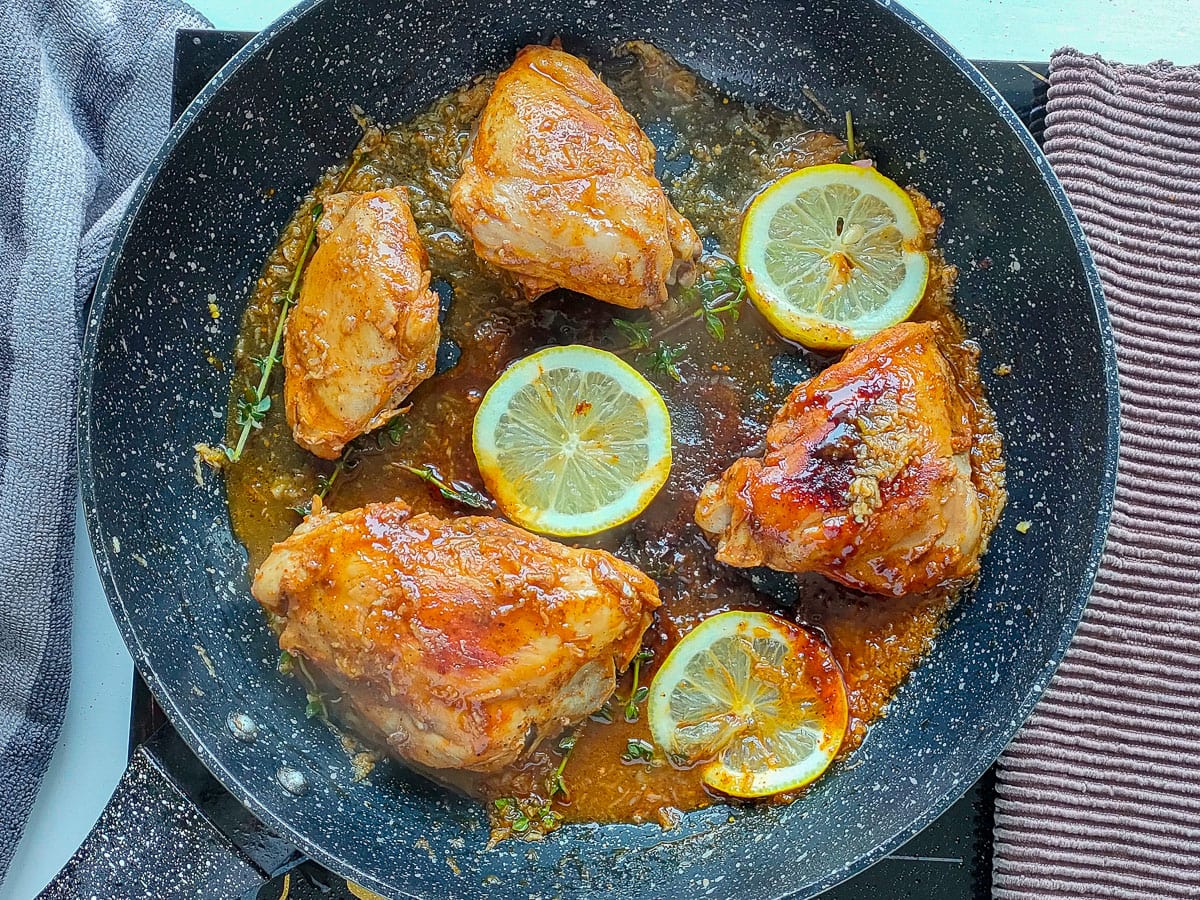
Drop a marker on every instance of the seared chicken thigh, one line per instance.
(558, 187)
(365, 331)
(866, 477)
(463, 641)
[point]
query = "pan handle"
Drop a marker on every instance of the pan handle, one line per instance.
(152, 840)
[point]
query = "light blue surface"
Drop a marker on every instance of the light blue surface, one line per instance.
(92, 752)
(94, 743)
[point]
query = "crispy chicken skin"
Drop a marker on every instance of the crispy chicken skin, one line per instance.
(462, 641)
(558, 187)
(866, 477)
(365, 331)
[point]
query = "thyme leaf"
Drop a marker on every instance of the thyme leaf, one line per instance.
(519, 816)
(391, 433)
(316, 706)
(637, 750)
(264, 363)
(604, 713)
(251, 411)
(678, 760)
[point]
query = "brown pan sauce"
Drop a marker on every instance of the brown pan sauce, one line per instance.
(715, 153)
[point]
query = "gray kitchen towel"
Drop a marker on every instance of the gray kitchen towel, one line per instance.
(1099, 795)
(84, 103)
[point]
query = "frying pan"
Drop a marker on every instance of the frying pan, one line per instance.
(207, 214)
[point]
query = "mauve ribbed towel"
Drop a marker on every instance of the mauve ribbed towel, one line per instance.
(1099, 795)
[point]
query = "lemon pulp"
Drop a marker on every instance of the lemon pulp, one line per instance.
(572, 441)
(757, 701)
(833, 254)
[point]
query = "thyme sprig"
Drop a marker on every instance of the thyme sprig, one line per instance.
(855, 151)
(317, 704)
(717, 297)
(389, 435)
(664, 358)
(637, 693)
(252, 410)
(557, 785)
(346, 462)
(719, 292)
(520, 816)
(659, 357)
(458, 491)
(637, 334)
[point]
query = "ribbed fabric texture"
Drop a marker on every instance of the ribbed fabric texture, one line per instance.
(1099, 795)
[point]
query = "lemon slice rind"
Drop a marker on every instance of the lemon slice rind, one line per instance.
(572, 441)
(693, 716)
(892, 269)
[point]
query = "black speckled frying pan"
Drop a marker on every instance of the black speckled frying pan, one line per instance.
(204, 220)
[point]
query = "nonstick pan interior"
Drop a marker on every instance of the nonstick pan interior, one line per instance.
(211, 209)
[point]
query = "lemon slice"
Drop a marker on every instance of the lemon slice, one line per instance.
(757, 701)
(833, 254)
(571, 441)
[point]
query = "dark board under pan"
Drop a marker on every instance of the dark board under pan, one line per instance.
(202, 225)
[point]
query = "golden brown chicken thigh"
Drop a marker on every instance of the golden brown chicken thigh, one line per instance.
(866, 478)
(558, 187)
(461, 641)
(365, 331)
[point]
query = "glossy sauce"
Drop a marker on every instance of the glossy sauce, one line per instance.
(714, 154)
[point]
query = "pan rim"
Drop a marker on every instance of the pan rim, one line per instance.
(179, 719)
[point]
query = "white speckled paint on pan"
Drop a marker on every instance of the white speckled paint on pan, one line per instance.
(203, 224)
